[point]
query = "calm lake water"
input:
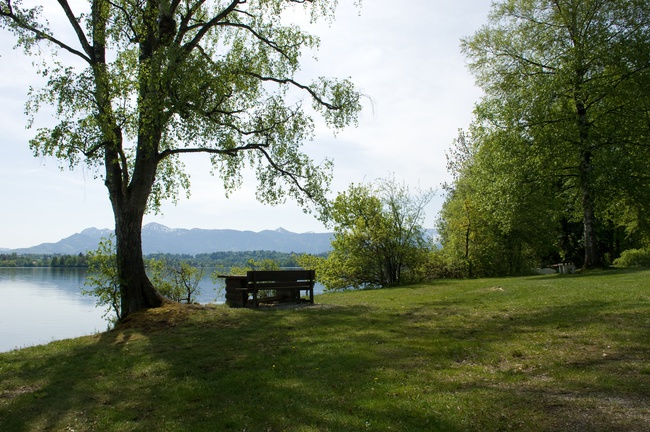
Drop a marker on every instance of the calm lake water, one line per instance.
(39, 305)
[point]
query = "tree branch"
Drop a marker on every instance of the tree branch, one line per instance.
(77, 28)
(261, 147)
(308, 89)
(267, 41)
(134, 38)
(292, 176)
(213, 22)
(39, 34)
(208, 150)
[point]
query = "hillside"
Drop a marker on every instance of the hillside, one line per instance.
(536, 354)
(157, 238)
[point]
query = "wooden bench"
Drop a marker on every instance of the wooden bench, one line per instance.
(286, 285)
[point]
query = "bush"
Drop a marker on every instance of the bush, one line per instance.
(439, 265)
(102, 279)
(634, 258)
(178, 282)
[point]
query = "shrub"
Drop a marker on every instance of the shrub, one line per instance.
(102, 279)
(634, 258)
(177, 281)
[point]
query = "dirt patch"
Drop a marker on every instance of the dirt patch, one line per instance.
(19, 391)
(170, 314)
(282, 306)
(598, 413)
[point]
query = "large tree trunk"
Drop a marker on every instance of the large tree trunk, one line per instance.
(129, 201)
(137, 291)
(592, 258)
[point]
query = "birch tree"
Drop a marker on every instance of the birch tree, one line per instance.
(137, 84)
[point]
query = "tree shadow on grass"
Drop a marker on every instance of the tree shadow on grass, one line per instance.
(263, 370)
(580, 364)
(598, 273)
(429, 367)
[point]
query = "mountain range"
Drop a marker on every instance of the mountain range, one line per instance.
(157, 238)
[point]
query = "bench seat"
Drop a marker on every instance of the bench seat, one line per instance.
(285, 285)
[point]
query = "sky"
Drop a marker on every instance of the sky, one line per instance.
(404, 56)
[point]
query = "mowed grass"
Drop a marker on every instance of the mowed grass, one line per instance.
(543, 353)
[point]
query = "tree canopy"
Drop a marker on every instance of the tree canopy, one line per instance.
(136, 84)
(563, 125)
(494, 220)
(378, 241)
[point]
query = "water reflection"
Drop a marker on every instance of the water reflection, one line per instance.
(40, 305)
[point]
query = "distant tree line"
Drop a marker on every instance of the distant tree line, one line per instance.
(228, 259)
(215, 259)
(43, 260)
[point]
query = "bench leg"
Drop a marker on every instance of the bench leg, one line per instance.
(244, 298)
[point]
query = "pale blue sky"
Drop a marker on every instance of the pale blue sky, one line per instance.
(403, 54)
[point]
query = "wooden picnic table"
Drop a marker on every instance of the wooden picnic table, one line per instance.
(255, 287)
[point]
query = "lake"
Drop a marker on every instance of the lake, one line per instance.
(40, 305)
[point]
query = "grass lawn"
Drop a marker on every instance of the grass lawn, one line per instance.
(543, 353)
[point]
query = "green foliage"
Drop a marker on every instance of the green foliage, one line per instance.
(494, 221)
(251, 264)
(227, 260)
(176, 281)
(560, 136)
(439, 265)
(27, 260)
(331, 271)
(103, 279)
(162, 277)
(634, 258)
(79, 260)
(148, 82)
(378, 237)
(188, 278)
(40, 260)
